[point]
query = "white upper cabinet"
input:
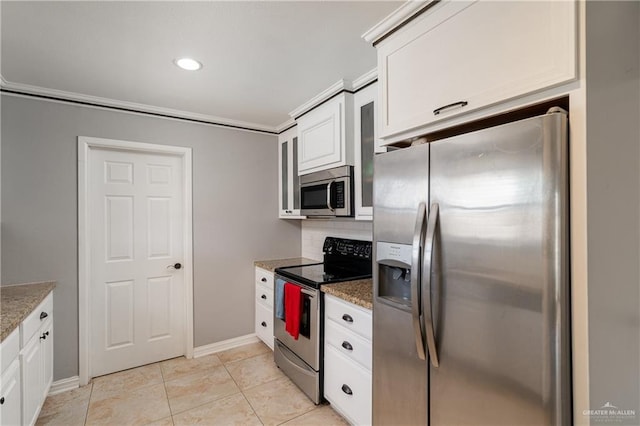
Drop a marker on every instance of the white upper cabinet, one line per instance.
(288, 180)
(458, 57)
(326, 135)
(366, 145)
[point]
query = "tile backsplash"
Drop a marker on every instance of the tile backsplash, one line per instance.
(315, 231)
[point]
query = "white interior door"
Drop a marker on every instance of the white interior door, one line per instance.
(136, 226)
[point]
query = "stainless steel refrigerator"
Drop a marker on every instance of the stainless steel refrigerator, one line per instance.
(471, 279)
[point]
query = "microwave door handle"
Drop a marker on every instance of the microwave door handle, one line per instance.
(329, 196)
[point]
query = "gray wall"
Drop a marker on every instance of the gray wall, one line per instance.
(234, 211)
(613, 183)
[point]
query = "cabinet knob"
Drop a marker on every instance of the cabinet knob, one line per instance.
(264, 296)
(175, 266)
(347, 345)
(44, 336)
(264, 324)
(2, 400)
(263, 279)
(43, 315)
(348, 318)
(346, 389)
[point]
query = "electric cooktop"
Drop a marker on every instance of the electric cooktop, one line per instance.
(344, 260)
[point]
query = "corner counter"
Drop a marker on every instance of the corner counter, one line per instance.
(358, 292)
(271, 265)
(18, 301)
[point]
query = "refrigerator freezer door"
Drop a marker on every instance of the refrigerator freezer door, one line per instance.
(502, 294)
(400, 392)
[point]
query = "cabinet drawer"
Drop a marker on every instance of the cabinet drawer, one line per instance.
(264, 324)
(347, 386)
(264, 295)
(348, 315)
(9, 349)
(264, 277)
(351, 345)
(32, 323)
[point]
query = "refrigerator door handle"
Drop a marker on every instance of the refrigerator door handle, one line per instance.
(427, 267)
(418, 243)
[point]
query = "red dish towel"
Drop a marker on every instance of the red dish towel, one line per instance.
(292, 309)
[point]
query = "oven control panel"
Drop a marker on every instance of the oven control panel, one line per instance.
(347, 248)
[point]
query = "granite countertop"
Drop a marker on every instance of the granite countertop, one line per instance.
(18, 301)
(358, 292)
(271, 265)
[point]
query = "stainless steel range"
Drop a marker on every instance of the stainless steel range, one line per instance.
(301, 359)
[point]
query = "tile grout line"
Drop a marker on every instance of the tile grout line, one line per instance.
(86, 413)
(166, 393)
(241, 390)
(208, 402)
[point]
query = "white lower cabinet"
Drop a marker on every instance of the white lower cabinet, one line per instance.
(10, 381)
(347, 359)
(264, 306)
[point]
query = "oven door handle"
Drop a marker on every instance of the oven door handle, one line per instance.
(308, 292)
(329, 196)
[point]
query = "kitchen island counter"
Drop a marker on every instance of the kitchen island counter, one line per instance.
(358, 292)
(18, 301)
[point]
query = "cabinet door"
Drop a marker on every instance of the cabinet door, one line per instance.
(326, 135)
(10, 394)
(347, 386)
(461, 56)
(288, 179)
(47, 359)
(264, 324)
(365, 146)
(32, 379)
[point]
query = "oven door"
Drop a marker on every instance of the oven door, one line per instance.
(307, 347)
(331, 197)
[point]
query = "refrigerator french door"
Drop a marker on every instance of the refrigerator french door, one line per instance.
(471, 286)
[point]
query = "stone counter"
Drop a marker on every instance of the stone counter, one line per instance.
(358, 292)
(271, 265)
(18, 301)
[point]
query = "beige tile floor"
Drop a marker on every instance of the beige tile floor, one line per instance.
(241, 386)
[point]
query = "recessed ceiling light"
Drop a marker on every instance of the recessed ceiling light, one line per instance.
(188, 64)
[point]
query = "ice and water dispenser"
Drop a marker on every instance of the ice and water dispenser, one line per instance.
(393, 263)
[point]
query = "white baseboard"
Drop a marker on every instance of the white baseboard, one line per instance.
(224, 345)
(64, 385)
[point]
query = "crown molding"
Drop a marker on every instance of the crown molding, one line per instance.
(365, 79)
(394, 19)
(133, 107)
(286, 125)
(335, 88)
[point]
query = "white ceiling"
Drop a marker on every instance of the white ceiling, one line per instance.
(261, 59)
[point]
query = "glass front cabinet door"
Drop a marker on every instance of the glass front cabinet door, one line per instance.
(289, 181)
(366, 146)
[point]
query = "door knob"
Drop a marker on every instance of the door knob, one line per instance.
(175, 266)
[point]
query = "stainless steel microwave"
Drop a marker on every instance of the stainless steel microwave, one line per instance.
(327, 193)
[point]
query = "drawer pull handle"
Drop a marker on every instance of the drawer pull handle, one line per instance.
(346, 389)
(264, 324)
(2, 400)
(347, 318)
(460, 104)
(347, 345)
(264, 296)
(263, 279)
(43, 315)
